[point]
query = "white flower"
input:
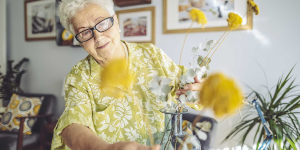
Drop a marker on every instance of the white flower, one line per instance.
(160, 87)
(200, 72)
(192, 96)
(188, 78)
(190, 139)
(201, 135)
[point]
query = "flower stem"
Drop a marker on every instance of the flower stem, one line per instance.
(213, 48)
(185, 41)
(218, 46)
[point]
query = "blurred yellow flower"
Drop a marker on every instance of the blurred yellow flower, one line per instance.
(234, 20)
(116, 74)
(198, 16)
(253, 7)
(221, 94)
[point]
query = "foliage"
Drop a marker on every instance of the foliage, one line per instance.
(10, 83)
(280, 111)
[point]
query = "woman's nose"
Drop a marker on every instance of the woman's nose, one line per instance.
(97, 36)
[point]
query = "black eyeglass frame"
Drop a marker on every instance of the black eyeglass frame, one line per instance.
(94, 28)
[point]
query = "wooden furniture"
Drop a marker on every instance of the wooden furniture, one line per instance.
(47, 135)
(123, 3)
(19, 141)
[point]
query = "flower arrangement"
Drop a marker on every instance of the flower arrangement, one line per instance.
(215, 89)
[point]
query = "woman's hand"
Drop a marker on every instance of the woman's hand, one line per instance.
(131, 146)
(191, 87)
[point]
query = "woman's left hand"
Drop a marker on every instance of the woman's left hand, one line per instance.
(191, 87)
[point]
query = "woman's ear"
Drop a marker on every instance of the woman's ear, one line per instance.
(116, 19)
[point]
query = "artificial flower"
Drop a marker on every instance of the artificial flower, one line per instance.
(234, 20)
(205, 126)
(160, 87)
(187, 78)
(221, 94)
(253, 7)
(191, 139)
(198, 16)
(192, 96)
(201, 135)
(116, 73)
(200, 71)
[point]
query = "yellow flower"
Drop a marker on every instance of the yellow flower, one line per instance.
(234, 20)
(116, 74)
(198, 16)
(253, 7)
(221, 94)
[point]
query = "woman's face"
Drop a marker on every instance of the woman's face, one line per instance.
(104, 45)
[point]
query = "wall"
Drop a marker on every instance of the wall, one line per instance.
(3, 36)
(273, 43)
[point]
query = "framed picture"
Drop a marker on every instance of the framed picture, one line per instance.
(137, 25)
(176, 18)
(39, 20)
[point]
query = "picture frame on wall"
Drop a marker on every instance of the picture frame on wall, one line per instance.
(39, 20)
(176, 18)
(137, 25)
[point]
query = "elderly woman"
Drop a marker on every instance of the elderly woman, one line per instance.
(92, 120)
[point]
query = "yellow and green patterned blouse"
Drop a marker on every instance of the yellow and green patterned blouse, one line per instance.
(118, 119)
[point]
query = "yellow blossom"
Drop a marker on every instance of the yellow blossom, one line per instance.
(234, 20)
(221, 94)
(198, 16)
(116, 74)
(253, 7)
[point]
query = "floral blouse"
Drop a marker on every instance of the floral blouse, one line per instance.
(118, 119)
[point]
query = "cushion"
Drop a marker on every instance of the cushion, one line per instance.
(20, 106)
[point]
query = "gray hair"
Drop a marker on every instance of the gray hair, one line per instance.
(68, 8)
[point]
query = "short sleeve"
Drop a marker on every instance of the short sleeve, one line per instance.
(78, 107)
(173, 72)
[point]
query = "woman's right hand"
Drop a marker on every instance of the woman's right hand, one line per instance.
(131, 146)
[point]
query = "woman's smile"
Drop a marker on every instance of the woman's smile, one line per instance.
(103, 46)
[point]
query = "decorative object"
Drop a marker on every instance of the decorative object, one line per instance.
(39, 20)
(20, 106)
(63, 37)
(10, 83)
(176, 19)
(137, 25)
(280, 116)
(122, 3)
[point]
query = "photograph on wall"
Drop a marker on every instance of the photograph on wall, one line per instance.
(177, 20)
(40, 19)
(137, 25)
(213, 9)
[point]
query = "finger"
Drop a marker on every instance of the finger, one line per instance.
(193, 87)
(199, 81)
(180, 91)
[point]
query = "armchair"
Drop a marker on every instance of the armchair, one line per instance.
(19, 141)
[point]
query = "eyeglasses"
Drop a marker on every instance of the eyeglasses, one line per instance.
(102, 26)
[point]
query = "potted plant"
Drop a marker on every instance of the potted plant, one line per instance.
(279, 108)
(10, 82)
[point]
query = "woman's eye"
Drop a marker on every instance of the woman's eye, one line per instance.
(85, 33)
